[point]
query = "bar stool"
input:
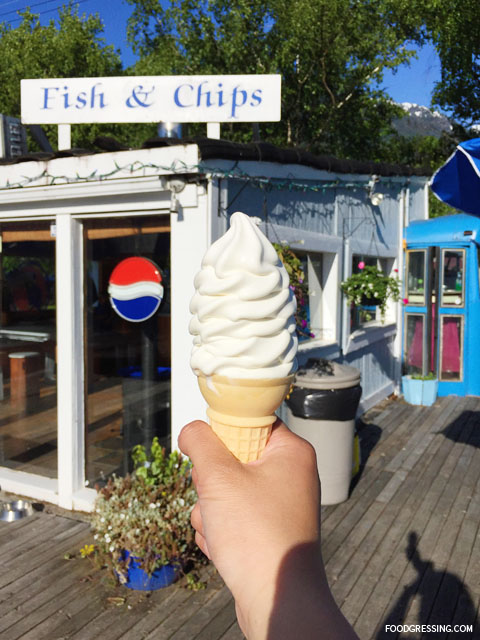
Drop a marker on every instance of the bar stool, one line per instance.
(25, 370)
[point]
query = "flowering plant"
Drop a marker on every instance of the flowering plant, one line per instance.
(147, 513)
(371, 286)
(293, 266)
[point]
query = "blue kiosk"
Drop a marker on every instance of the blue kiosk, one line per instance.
(442, 315)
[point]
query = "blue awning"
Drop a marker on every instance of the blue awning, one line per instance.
(457, 182)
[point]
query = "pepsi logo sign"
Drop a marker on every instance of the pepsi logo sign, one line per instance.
(135, 289)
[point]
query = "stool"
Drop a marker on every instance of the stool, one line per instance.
(25, 370)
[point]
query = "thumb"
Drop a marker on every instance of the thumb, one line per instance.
(204, 448)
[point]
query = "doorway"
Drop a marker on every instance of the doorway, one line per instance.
(127, 364)
(28, 387)
(434, 327)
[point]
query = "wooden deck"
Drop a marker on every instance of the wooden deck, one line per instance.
(404, 549)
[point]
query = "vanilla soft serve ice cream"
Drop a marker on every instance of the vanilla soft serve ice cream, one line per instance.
(243, 308)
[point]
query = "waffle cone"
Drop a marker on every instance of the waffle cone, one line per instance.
(242, 411)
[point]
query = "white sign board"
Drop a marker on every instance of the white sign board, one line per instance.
(249, 98)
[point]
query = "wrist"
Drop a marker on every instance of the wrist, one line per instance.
(289, 594)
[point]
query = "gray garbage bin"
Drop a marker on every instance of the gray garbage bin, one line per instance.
(322, 408)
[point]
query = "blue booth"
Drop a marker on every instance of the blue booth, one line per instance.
(441, 328)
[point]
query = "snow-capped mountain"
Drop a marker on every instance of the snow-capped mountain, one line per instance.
(421, 121)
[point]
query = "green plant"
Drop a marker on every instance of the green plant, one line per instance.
(298, 285)
(370, 283)
(429, 376)
(147, 513)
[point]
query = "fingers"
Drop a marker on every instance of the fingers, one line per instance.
(204, 448)
(202, 544)
(196, 519)
(281, 438)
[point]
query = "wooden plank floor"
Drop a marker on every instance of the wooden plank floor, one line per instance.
(404, 549)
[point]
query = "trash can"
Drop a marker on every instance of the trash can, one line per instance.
(322, 408)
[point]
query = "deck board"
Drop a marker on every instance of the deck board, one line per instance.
(424, 475)
(404, 548)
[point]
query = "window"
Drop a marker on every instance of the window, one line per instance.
(128, 364)
(414, 343)
(453, 265)
(451, 342)
(416, 278)
(320, 304)
(368, 310)
(28, 331)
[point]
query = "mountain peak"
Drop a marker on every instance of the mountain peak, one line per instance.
(421, 121)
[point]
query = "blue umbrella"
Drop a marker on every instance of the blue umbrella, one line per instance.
(457, 182)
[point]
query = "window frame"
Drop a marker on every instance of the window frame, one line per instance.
(322, 268)
(444, 316)
(463, 292)
(416, 303)
(424, 339)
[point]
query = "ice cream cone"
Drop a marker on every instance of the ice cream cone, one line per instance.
(242, 411)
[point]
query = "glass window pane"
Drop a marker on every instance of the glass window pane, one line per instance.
(315, 295)
(453, 278)
(128, 363)
(416, 279)
(414, 344)
(28, 390)
(303, 303)
(451, 348)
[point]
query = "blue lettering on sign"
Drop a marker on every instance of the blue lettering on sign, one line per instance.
(94, 95)
(66, 103)
(176, 95)
(46, 97)
(256, 98)
(221, 101)
(97, 98)
(139, 97)
(242, 99)
(204, 95)
(81, 100)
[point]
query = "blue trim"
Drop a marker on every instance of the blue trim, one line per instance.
(447, 233)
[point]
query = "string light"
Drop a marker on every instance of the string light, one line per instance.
(178, 168)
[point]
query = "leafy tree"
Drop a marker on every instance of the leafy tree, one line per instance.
(68, 47)
(331, 54)
(454, 28)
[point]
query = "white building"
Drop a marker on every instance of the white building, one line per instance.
(70, 413)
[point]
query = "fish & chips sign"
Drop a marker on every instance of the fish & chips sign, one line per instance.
(235, 98)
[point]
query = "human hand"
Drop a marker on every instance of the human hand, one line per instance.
(260, 525)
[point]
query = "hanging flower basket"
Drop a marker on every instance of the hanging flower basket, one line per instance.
(371, 287)
(370, 302)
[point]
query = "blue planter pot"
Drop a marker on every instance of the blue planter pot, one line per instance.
(422, 392)
(139, 580)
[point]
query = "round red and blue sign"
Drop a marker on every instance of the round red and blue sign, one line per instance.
(135, 289)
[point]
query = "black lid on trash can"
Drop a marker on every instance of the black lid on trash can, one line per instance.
(325, 390)
(319, 373)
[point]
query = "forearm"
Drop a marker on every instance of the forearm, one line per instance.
(299, 605)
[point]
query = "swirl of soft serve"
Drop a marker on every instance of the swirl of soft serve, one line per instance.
(243, 323)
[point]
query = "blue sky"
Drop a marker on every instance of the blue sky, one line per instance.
(412, 83)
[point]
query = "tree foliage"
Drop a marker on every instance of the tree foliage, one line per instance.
(70, 46)
(454, 28)
(331, 55)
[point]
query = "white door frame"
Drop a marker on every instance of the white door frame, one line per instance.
(67, 206)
